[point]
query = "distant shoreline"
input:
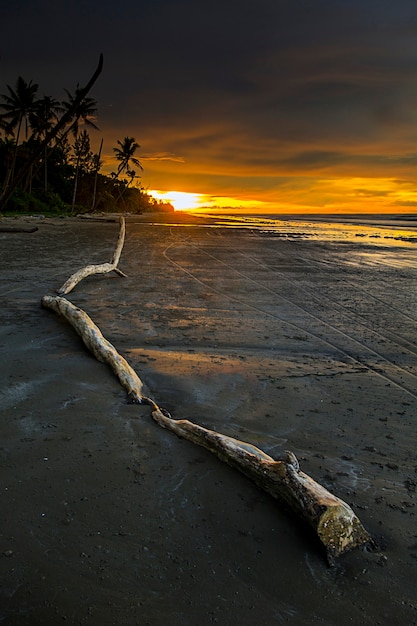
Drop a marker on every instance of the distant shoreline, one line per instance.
(386, 219)
(369, 218)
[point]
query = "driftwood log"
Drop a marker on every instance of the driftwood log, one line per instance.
(102, 349)
(102, 268)
(335, 523)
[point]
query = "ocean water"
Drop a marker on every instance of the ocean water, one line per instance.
(383, 230)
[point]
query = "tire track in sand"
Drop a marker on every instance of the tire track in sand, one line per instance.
(385, 367)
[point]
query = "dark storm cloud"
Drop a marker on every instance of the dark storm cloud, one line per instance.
(265, 88)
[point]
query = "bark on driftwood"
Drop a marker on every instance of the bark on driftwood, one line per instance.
(102, 268)
(336, 525)
(102, 349)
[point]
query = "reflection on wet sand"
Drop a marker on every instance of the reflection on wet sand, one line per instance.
(377, 232)
(390, 230)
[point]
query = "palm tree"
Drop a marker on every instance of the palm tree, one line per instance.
(42, 119)
(17, 105)
(85, 110)
(43, 116)
(124, 155)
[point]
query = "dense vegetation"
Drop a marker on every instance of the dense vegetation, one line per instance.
(62, 174)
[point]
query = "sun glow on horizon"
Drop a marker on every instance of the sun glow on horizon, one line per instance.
(180, 200)
(187, 201)
(351, 195)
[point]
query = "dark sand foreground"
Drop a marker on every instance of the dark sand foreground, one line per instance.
(299, 345)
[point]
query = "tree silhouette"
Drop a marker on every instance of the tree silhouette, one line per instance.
(43, 116)
(42, 119)
(17, 106)
(125, 155)
(83, 159)
(85, 110)
(97, 165)
(53, 133)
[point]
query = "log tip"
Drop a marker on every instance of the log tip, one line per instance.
(340, 530)
(46, 301)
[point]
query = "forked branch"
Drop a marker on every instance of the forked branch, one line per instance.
(102, 268)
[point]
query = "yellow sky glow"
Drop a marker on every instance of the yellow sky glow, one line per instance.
(319, 195)
(180, 200)
(187, 201)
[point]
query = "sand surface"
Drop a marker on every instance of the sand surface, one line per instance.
(298, 345)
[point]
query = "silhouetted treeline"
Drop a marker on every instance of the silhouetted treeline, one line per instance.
(62, 175)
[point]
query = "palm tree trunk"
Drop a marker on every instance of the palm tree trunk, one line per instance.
(15, 153)
(74, 195)
(46, 169)
(30, 178)
(95, 176)
(7, 180)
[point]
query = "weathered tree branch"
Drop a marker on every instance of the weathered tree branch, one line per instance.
(102, 268)
(102, 349)
(336, 525)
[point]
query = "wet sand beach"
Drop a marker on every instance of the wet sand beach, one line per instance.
(289, 344)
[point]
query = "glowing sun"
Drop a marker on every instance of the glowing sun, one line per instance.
(180, 200)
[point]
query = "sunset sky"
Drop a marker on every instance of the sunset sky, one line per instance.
(274, 105)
